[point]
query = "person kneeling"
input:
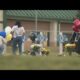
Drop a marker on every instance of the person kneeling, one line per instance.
(2, 43)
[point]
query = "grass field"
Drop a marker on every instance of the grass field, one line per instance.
(51, 62)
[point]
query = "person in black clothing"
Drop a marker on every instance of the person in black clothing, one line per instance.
(33, 37)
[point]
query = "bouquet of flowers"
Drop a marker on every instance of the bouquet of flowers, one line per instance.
(45, 51)
(35, 49)
(69, 47)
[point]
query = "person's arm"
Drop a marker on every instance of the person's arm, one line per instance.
(12, 31)
(4, 40)
(23, 30)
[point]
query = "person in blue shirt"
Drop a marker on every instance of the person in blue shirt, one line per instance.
(3, 34)
(61, 41)
(40, 37)
(2, 42)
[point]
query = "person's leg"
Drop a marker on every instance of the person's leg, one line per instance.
(73, 37)
(78, 47)
(1, 49)
(20, 44)
(61, 49)
(14, 44)
(4, 51)
(40, 53)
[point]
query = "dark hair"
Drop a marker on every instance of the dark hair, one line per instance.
(38, 32)
(18, 23)
(76, 17)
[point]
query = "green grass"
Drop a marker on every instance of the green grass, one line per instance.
(51, 62)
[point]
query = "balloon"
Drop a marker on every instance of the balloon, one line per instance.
(9, 37)
(8, 29)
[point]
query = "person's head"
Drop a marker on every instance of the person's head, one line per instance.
(60, 33)
(18, 23)
(41, 33)
(76, 17)
(38, 33)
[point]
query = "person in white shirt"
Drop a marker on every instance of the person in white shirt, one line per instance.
(60, 39)
(18, 33)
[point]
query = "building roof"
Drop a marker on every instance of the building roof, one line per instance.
(43, 14)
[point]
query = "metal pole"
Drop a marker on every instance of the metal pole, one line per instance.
(59, 28)
(36, 19)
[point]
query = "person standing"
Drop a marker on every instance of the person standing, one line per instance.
(18, 33)
(60, 40)
(76, 28)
